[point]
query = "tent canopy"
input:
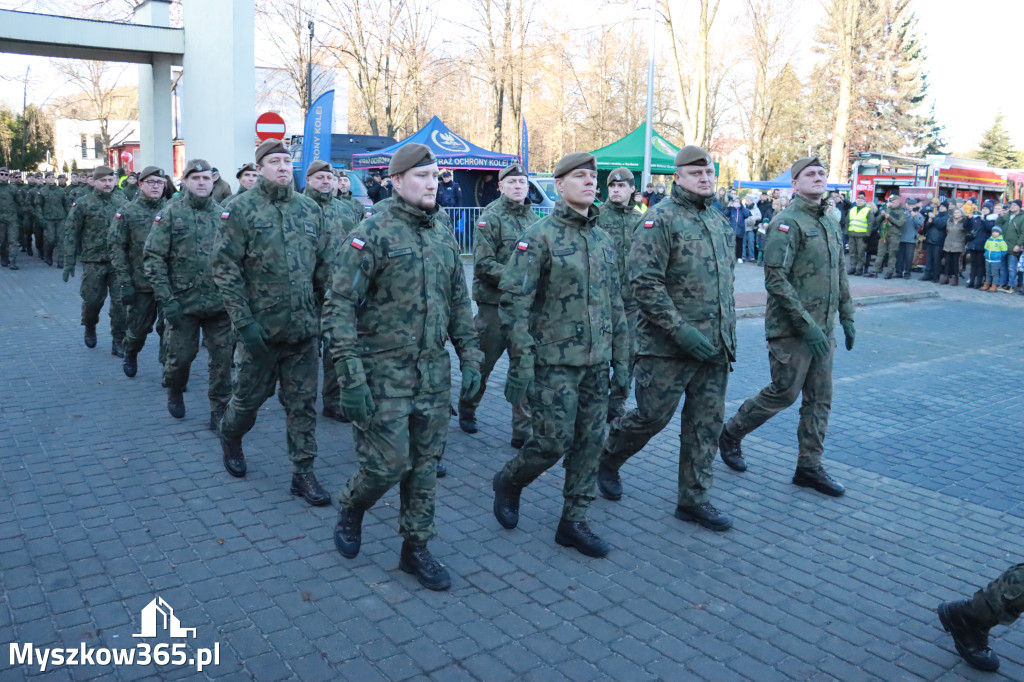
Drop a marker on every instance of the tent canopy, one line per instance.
(783, 180)
(628, 152)
(451, 150)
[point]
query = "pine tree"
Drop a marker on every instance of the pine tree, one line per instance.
(930, 136)
(997, 148)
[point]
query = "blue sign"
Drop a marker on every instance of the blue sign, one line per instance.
(524, 151)
(316, 136)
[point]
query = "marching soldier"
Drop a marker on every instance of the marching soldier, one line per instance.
(9, 227)
(53, 206)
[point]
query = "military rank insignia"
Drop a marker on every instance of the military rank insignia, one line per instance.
(357, 243)
(648, 224)
(522, 246)
(783, 228)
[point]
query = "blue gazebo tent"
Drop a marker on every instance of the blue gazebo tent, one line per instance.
(451, 150)
(783, 180)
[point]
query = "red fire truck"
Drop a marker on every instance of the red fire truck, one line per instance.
(879, 175)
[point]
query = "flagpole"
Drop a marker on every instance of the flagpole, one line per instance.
(650, 104)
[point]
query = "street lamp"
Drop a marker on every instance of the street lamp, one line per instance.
(309, 73)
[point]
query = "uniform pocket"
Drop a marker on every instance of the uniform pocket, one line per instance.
(541, 394)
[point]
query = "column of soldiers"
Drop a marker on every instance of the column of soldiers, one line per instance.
(34, 211)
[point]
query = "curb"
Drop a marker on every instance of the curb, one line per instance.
(758, 311)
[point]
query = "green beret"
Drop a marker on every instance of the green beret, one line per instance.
(412, 155)
(513, 170)
(50, 175)
(318, 166)
(101, 172)
(196, 166)
(572, 161)
(270, 147)
(340, 173)
(801, 164)
(150, 170)
(692, 155)
(245, 167)
(620, 175)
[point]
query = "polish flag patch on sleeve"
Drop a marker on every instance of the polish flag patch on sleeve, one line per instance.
(522, 246)
(117, 215)
(783, 228)
(648, 223)
(225, 215)
(482, 223)
(357, 243)
(156, 219)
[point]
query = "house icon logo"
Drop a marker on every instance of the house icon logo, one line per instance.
(158, 614)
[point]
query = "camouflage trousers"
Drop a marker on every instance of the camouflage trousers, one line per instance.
(182, 346)
(494, 342)
(887, 247)
(141, 315)
(296, 364)
(401, 443)
(27, 224)
(569, 407)
(332, 389)
(858, 252)
(794, 372)
(1003, 600)
(9, 238)
(660, 384)
(617, 397)
(97, 280)
(53, 234)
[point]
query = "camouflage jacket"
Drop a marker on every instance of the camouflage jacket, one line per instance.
(620, 221)
(131, 192)
(804, 271)
(53, 203)
(179, 252)
(498, 229)
(893, 225)
(353, 206)
(272, 260)
(560, 298)
(88, 228)
(221, 190)
(8, 203)
(336, 218)
(239, 192)
(681, 266)
(128, 232)
(398, 294)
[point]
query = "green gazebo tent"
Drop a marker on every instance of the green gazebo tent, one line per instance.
(629, 153)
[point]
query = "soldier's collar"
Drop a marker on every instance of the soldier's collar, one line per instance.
(566, 214)
(688, 198)
(151, 203)
(317, 196)
(815, 209)
(274, 191)
(423, 217)
(517, 207)
(197, 202)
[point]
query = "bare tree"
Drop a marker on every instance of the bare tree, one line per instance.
(695, 89)
(103, 100)
(285, 25)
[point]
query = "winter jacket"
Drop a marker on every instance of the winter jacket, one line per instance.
(936, 233)
(753, 219)
(737, 219)
(978, 232)
(957, 233)
(995, 249)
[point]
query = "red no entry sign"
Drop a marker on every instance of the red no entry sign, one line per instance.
(269, 126)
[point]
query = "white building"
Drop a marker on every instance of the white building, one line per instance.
(82, 141)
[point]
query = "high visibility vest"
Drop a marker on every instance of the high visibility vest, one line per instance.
(859, 219)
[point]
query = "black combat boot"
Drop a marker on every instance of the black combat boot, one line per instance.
(335, 414)
(90, 336)
(131, 363)
(818, 478)
(441, 470)
(308, 488)
(731, 451)
(4, 261)
(418, 561)
(608, 482)
(706, 515)
(117, 348)
(215, 416)
(506, 502)
(234, 458)
(970, 635)
(467, 421)
(175, 403)
(578, 534)
(348, 534)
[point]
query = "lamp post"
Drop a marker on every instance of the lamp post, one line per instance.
(309, 72)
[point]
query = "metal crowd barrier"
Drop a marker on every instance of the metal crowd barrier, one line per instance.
(464, 221)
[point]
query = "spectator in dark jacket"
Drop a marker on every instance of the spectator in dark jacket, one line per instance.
(658, 195)
(934, 238)
(375, 188)
(449, 194)
(975, 233)
(764, 205)
(737, 216)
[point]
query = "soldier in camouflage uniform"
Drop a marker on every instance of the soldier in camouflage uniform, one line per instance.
(344, 195)
(272, 265)
(247, 176)
(128, 233)
(681, 267)
(177, 262)
(619, 218)
(86, 238)
(30, 213)
(339, 222)
(52, 207)
(562, 308)
(21, 219)
(969, 620)
(806, 280)
(890, 221)
(8, 222)
(398, 295)
(130, 187)
(498, 229)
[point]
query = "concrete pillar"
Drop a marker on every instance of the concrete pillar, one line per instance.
(155, 95)
(219, 82)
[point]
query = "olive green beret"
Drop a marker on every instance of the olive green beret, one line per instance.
(620, 175)
(572, 161)
(412, 155)
(150, 170)
(692, 155)
(316, 167)
(196, 166)
(101, 172)
(513, 170)
(801, 164)
(270, 147)
(50, 175)
(245, 167)
(340, 173)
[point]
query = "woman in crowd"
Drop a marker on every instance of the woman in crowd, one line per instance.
(953, 248)
(978, 232)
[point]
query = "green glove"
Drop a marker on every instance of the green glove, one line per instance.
(850, 333)
(517, 383)
(694, 343)
(127, 294)
(470, 382)
(173, 314)
(816, 341)
(357, 403)
(69, 271)
(620, 375)
(254, 338)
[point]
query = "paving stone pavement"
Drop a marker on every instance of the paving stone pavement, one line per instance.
(106, 502)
